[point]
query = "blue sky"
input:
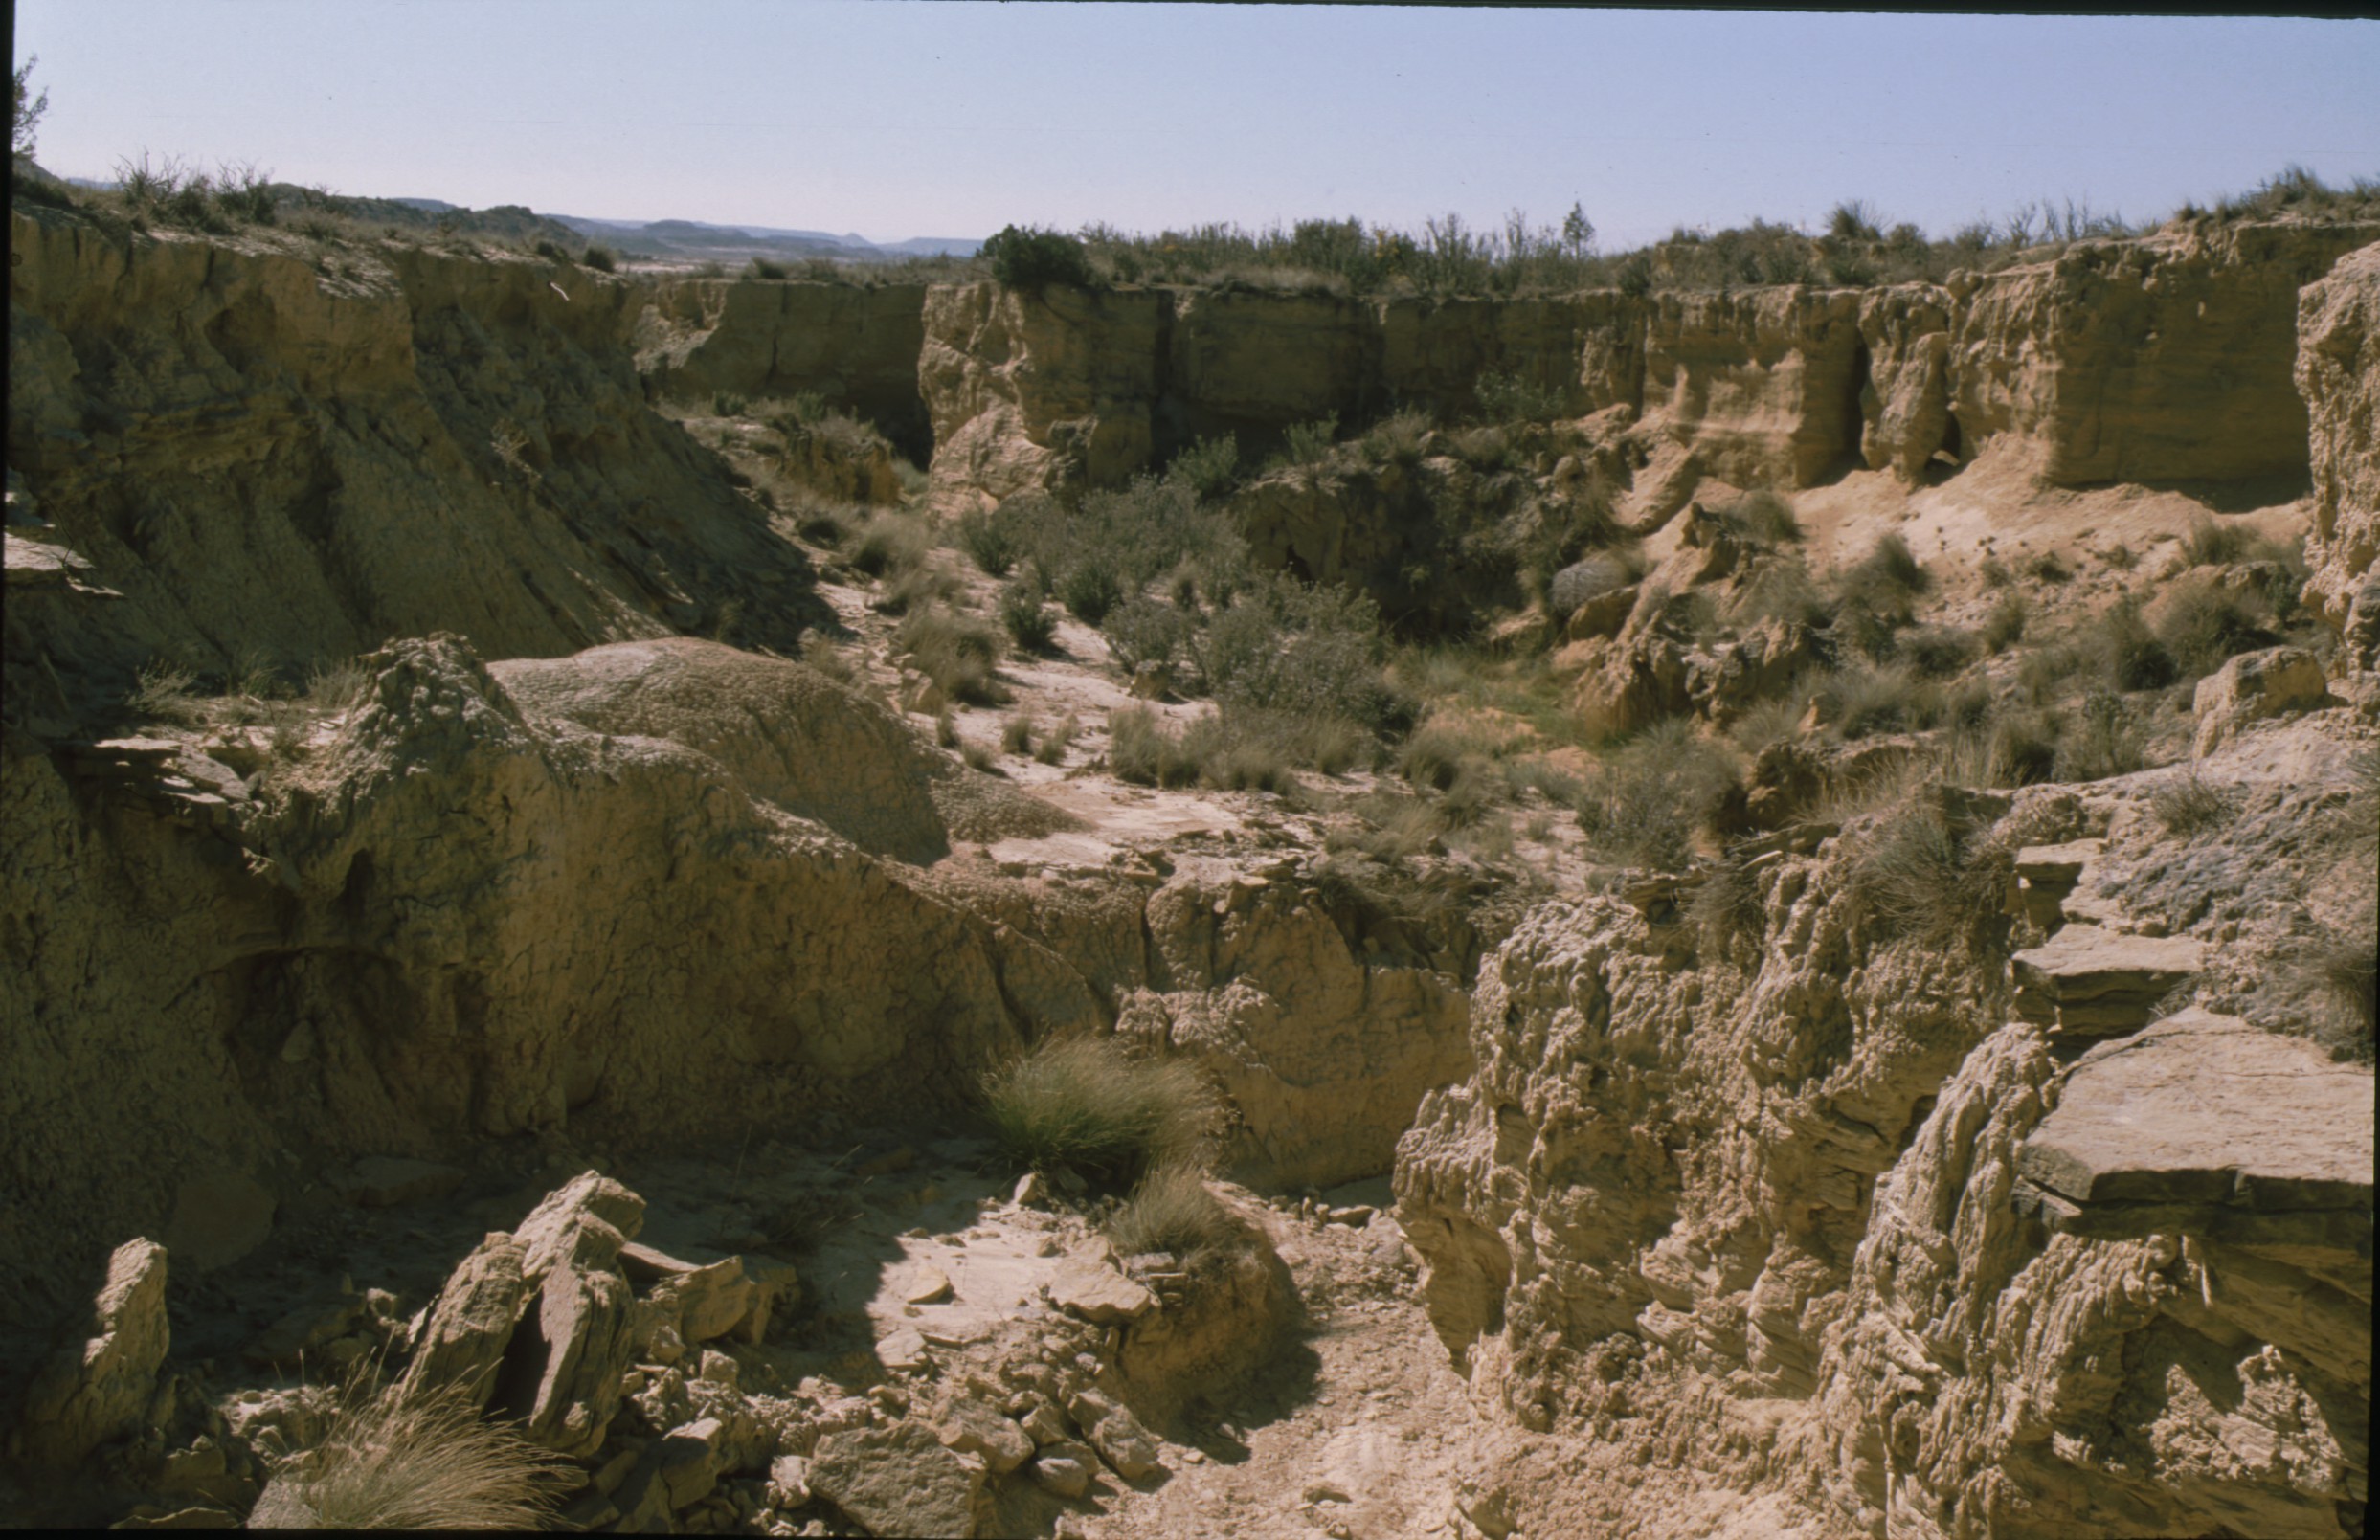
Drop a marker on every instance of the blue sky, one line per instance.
(893, 118)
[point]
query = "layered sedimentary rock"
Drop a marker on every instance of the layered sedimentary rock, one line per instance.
(1972, 1283)
(2338, 374)
(269, 463)
(2165, 358)
(854, 346)
(1764, 386)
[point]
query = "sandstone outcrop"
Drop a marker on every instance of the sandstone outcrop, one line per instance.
(2338, 374)
(268, 463)
(854, 346)
(1763, 387)
(2162, 359)
(1322, 1051)
(98, 1385)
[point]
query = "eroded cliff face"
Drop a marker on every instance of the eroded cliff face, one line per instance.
(856, 347)
(2167, 358)
(264, 461)
(2338, 374)
(1801, 1202)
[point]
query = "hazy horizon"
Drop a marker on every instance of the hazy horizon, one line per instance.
(912, 121)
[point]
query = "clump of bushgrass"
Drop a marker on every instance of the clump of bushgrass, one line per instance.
(1083, 1103)
(1729, 902)
(1919, 877)
(978, 756)
(889, 541)
(819, 650)
(2005, 625)
(1645, 804)
(165, 692)
(2104, 741)
(2204, 623)
(1052, 749)
(2190, 804)
(2124, 650)
(957, 652)
(430, 1460)
(1141, 751)
(1937, 652)
(1090, 588)
(1173, 1211)
(1015, 734)
(920, 585)
(1876, 698)
(2046, 568)
(2021, 749)
(946, 728)
(1144, 631)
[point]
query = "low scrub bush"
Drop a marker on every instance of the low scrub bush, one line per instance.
(1209, 469)
(1026, 614)
(1937, 652)
(1879, 699)
(1031, 259)
(1308, 443)
(1141, 750)
(819, 650)
(1143, 631)
(1090, 588)
(1015, 734)
(1766, 519)
(1058, 739)
(990, 540)
(1511, 396)
(1599, 574)
(2022, 748)
(1888, 575)
(2190, 804)
(2123, 649)
(602, 258)
(1729, 904)
(1085, 1105)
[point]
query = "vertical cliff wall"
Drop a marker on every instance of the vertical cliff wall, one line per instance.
(2338, 372)
(2167, 358)
(854, 346)
(266, 459)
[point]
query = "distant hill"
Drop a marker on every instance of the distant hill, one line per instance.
(690, 240)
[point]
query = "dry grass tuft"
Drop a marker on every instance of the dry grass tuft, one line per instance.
(1084, 1103)
(2190, 804)
(1172, 1211)
(430, 1463)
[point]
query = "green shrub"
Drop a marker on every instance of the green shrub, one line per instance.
(1083, 1103)
(1026, 614)
(1509, 396)
(2208, 544)
(1996, 573)
(1304, 443)
(760, 267)
(2046, 568)
(728, 404)
(1209, 468)
(1091, 588)
(1031, 259)
(1887, 578)
(1435, 755)
(602, 258)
